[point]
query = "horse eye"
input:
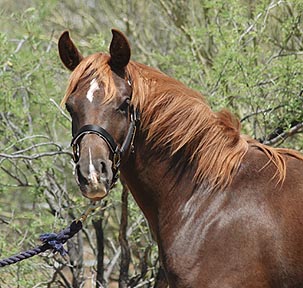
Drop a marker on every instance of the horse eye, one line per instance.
(124, 106)
(68, 108)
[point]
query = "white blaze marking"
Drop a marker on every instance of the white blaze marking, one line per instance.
(93, 87)
(92, 169)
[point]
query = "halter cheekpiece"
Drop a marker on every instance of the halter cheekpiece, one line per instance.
(116, 151)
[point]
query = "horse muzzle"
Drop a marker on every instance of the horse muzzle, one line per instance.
(94, 179)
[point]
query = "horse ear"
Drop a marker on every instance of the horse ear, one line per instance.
(119, 50)
(69, 54)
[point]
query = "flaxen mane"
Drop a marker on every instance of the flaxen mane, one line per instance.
(178, 117)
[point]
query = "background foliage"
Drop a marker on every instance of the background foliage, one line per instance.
(245, 55)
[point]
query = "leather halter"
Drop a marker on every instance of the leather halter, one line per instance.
(116, 151)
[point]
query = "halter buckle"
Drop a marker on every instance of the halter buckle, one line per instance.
(75, 152)
(116, 159)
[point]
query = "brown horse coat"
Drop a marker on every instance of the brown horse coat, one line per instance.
(225, 210)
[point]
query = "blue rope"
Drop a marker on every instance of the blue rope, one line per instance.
(53, 240)
(50, 241)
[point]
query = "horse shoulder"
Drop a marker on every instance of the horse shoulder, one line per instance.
(242, 234)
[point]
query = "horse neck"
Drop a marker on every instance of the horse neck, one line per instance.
(158, 189)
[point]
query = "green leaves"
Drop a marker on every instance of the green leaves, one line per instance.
(245, 57)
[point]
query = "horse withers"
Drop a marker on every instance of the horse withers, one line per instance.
(225, 210)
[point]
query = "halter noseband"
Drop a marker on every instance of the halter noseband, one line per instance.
(116, 151)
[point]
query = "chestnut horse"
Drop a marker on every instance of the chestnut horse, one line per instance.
(225, 210)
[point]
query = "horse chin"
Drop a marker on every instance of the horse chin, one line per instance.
(94, 193)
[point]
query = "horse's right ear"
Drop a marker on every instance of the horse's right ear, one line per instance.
(69, 54)
(119, 50)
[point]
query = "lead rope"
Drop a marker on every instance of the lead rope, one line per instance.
(52, 241)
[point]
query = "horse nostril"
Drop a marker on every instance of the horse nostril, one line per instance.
(82, 180)
(103, 168)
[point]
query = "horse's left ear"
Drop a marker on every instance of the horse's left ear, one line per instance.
(69, 54)
(119, 50)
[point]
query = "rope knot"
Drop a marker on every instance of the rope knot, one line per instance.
(54, 241)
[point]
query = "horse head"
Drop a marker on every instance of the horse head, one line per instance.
(98, 99)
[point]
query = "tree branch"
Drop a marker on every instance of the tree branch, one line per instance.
(35, 156)
(125, 251)
(284, 135)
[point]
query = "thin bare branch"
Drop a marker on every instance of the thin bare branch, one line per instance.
(283, 136)
(35, 156)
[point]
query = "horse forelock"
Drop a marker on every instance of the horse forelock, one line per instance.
(93, 66)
